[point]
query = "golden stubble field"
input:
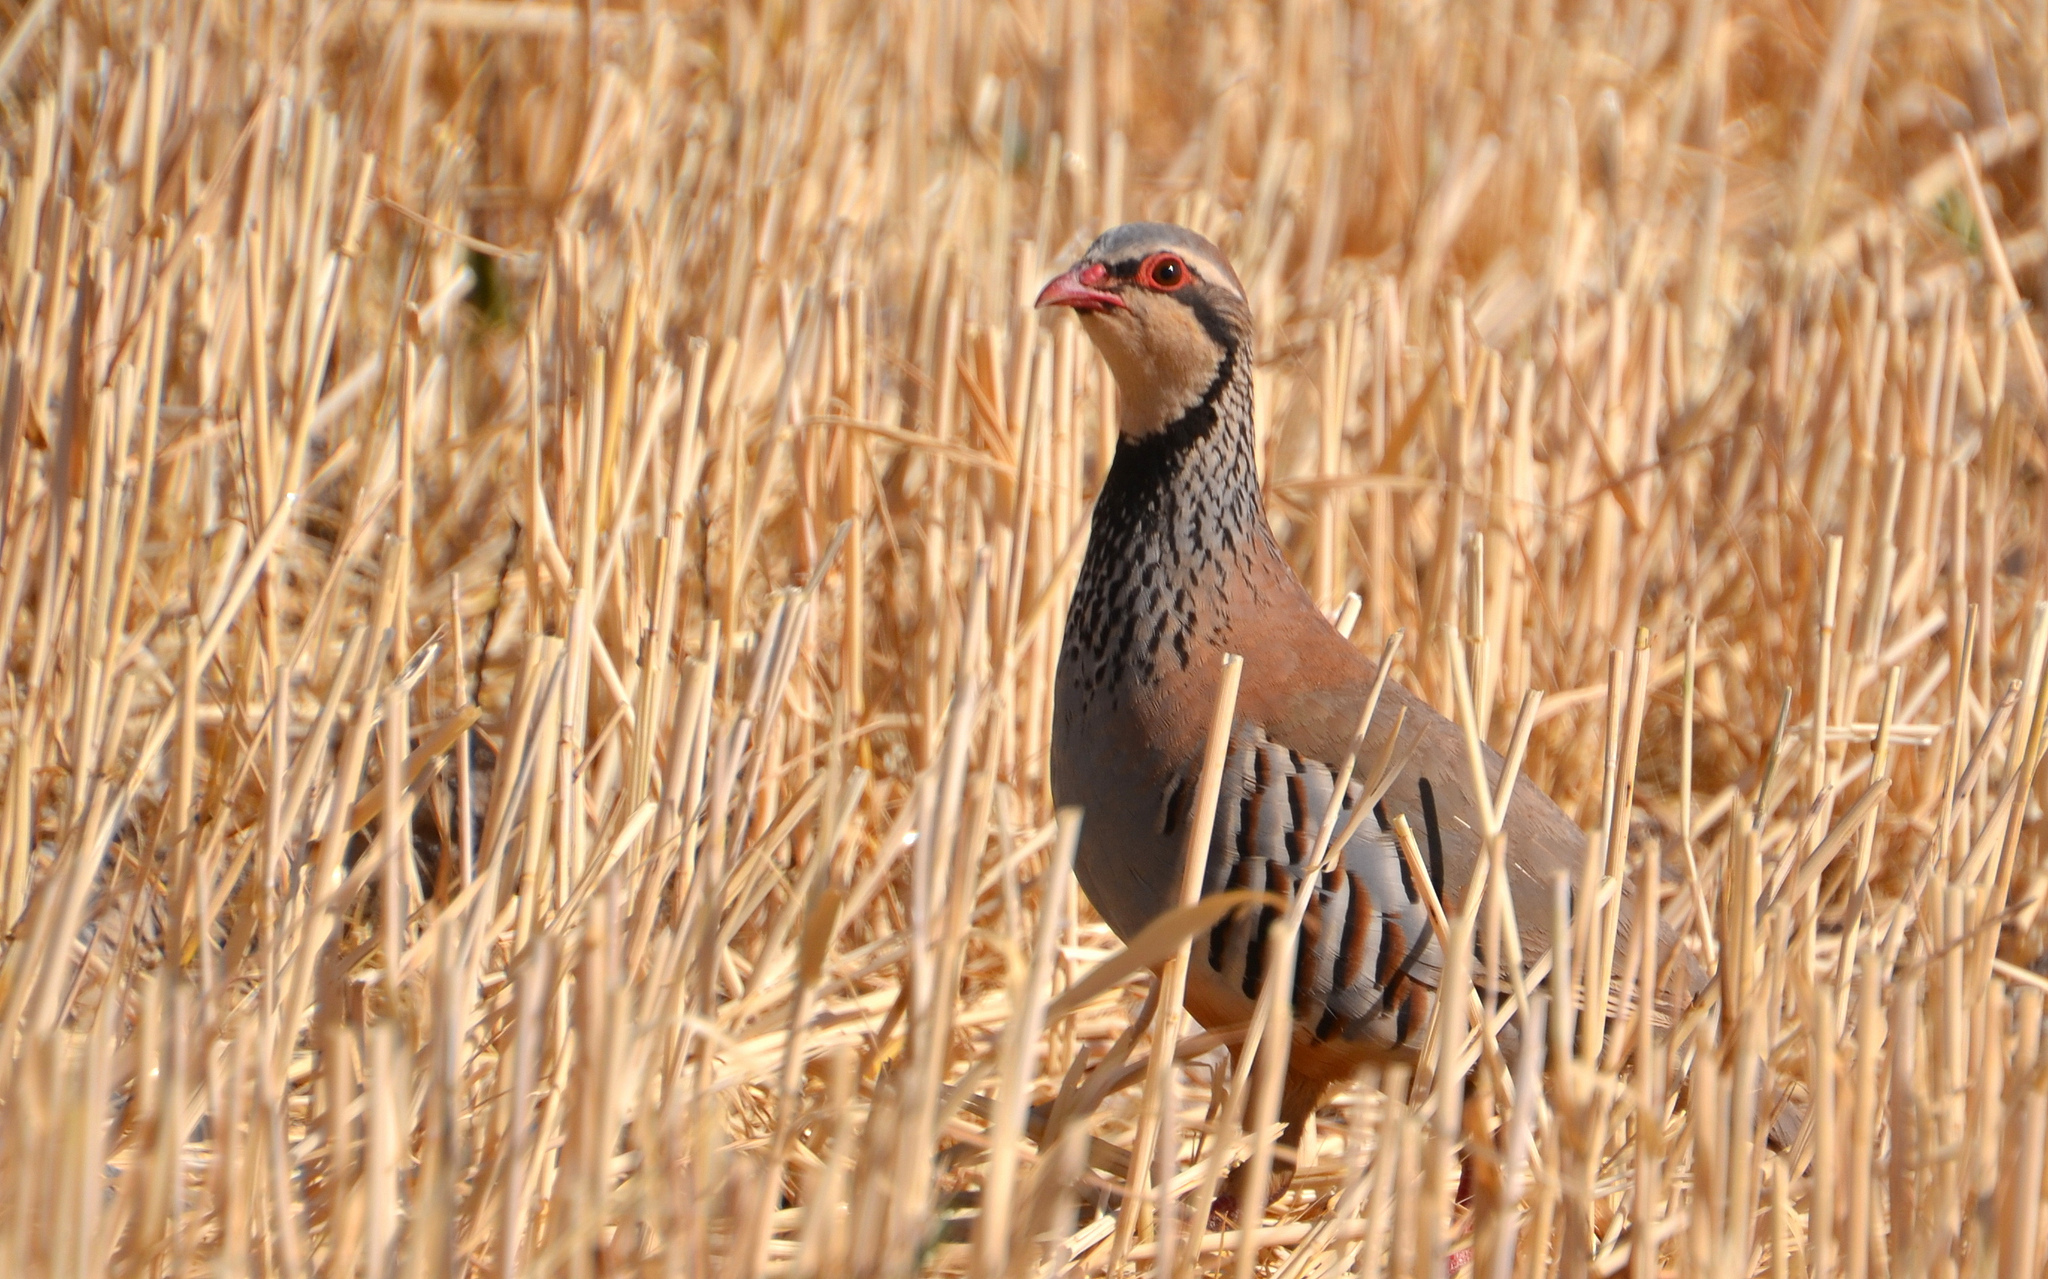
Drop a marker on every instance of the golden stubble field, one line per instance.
(535, 537)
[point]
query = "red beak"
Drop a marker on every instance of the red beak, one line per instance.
(1080, 288)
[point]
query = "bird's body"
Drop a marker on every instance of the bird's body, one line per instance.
(1182, 568)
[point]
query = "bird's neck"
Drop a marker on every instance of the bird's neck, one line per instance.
(1178, 529)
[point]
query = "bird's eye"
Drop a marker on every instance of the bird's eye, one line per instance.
(1163, 271)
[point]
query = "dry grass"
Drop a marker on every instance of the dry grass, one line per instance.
(629, 421)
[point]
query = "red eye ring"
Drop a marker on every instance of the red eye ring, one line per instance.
(1164, 272)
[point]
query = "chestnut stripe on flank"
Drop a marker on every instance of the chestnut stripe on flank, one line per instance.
(1393, 948)
(1297, 803)
(1308, 951)
(1357, 929)
(1412, 1013)
(1219, 936)
(1255, 951)
(1248, 823)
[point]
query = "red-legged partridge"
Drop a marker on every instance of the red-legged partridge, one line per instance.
(1181, 569)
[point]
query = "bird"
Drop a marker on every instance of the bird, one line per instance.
(1180, 569)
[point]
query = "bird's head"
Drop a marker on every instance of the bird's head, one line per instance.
(1163, 306)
